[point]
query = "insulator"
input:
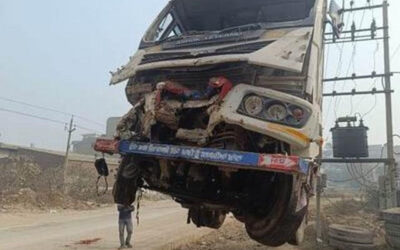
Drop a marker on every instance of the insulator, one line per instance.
(353, 31)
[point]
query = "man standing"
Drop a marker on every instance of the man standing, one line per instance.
(125, 220)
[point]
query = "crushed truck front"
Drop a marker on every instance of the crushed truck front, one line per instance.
(229, 79)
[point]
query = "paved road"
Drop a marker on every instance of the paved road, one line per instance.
(162, 224)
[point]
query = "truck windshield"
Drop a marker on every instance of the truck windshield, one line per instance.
(214, 15)
(190, 17)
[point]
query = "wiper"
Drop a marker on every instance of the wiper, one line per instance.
(247, 27)
(196, 32)
(187, 34)
(171, 38)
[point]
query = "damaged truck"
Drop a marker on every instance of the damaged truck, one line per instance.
(226, 114)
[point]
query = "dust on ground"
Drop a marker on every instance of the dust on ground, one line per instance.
(233, 236)
(347, 211)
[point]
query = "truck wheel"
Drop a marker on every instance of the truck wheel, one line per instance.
(207, 218)
(239, 216)
(281, 224)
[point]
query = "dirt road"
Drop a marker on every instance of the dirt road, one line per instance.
(161, 224)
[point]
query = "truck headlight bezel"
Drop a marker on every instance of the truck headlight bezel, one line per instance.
(276, 111)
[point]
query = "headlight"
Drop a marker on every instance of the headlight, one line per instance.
(271, 110)
(276, 112)
(253, 105)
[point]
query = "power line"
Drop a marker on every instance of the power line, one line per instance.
(46, 119)
(50, 109)
(33, 116)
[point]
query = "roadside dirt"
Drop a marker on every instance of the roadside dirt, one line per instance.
(161, 223)
(233, 236)
(162, 226)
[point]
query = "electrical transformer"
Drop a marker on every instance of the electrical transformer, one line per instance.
(349, 141)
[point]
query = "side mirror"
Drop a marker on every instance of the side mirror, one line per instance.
(335, 12)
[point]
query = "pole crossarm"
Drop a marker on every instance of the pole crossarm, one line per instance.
(355, 77)
(356, 31)
(356, 40)
(363, 8)
(373, 92)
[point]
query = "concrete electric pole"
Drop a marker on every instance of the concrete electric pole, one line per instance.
(389, 116)
(71, 128)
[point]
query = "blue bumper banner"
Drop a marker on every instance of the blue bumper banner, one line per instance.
(228, 158)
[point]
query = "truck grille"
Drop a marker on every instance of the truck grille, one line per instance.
(197, 77)
(237, 49)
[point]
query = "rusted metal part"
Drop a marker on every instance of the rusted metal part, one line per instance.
(169, 87)
(200, 103)
(167, 115)
(198, 136)
(127, 121)
(165, 173)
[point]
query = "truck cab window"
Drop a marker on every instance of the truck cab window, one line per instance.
(163, 27)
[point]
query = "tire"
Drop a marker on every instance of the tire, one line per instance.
(239, 216)
(207, 218)
(350, 234)
(281, 224)
(350, 245)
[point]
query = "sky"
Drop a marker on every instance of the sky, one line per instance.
(58, 54)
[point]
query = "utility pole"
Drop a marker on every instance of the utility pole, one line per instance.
(361, 35)
(70, 130)
(389, 116)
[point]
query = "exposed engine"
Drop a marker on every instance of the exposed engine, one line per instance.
(174, 114)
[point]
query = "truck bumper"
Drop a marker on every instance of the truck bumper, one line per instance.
(208, 156)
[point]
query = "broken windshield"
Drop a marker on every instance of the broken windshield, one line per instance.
(188, 17)
(212, 15)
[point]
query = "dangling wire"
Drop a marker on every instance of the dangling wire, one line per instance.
(102, 170)
(373, 84)
(339, 67)
(97, 186)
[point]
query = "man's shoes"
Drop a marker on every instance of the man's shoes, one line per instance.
(129, 246)
(122, 247)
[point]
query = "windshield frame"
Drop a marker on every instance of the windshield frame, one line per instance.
(170, 9)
